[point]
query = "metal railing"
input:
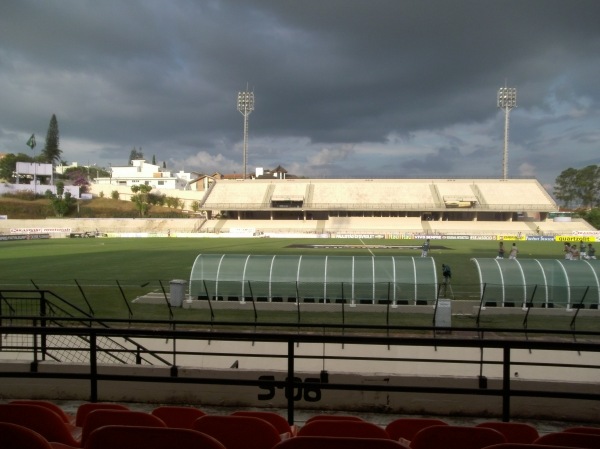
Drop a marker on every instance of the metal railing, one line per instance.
(294, 335)
(43, 308)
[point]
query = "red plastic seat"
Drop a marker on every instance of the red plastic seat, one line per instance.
(84, 409)
(66, 417)
(130, 437)
(98, 418)
(524, 446)
(456, 437)
(341, 428)
(334, 418)
(278, 421)
(301, 442)
(239, 432)
(14, 436)
(178, 416)
(406, 428)
(583, 429)
(41, 420)
(571, 439)
(514, 432)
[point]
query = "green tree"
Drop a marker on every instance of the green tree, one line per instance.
(141, 198)
(565, 187)
(60, 188)
(153, 159)
(592, 217)
(79, 176)
(51, 152)
(588, 185)
(63, 204)
(8, 166)
(135, 154)
(579, 187)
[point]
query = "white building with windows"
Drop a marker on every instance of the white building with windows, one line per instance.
(141, 172)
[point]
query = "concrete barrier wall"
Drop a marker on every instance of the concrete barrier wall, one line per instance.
(58, 227)
(322, 399)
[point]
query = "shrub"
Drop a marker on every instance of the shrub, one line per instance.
(157, 199)
(114, 194)
(171, 202)
(25, 195)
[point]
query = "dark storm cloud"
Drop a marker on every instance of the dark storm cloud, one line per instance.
(326, 74)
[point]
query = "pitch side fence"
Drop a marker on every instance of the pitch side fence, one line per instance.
(46, 338)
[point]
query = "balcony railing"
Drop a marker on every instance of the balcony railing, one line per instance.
(500, 362)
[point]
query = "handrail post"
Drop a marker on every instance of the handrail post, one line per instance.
(506, 384)
(343, 310)
(93, 368)
(34, 363)
(480, 305)
(290, 382)
(43, 322)
(580, 306)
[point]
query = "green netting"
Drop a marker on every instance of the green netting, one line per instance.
(318, 278)
(540, 282)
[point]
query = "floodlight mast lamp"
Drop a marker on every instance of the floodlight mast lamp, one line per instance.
(507, 99)
(245, 105)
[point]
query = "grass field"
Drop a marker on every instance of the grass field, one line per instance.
(160, 258)
(112, 272)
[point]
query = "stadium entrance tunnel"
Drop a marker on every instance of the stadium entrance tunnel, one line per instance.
(539, 283)
(354, 280)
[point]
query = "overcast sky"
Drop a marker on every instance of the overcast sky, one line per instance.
(343, 88)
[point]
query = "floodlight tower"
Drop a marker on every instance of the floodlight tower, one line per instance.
(507, 99)
(245, 104)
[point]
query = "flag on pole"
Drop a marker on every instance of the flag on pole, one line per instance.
(31, 142)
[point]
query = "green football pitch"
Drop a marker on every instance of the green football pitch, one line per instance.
(151, 259)
(104, 275)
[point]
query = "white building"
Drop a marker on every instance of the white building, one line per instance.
(140, 172)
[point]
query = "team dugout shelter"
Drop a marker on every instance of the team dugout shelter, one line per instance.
(572, 284)
(351, 280)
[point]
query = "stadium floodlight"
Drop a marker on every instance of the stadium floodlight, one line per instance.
(507, 99)
(245, 104)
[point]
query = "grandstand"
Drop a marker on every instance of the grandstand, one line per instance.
(384, 206)
(391, 208)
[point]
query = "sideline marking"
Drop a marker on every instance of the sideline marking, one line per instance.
(365, 245)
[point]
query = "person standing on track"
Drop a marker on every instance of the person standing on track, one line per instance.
(568, 253)
(513, 251)
(447, 274)
(500, 250)
(425, 248)
(582, 250)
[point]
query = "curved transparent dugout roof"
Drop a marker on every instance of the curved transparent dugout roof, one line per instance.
(366, 279)
(540, 282)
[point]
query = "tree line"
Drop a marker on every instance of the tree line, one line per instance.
(50, 154)
(578, 188)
